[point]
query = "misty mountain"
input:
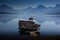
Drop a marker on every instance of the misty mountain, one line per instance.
(27, 10)
(55, 10)
(57, 6)
(6, 9)
(41, 9)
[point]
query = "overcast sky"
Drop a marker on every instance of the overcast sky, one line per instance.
(26, 3)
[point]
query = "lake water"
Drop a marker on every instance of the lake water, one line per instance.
(50, 25)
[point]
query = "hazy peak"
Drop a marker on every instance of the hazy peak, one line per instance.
(41, 6)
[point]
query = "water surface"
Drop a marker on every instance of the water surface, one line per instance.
(50, 25)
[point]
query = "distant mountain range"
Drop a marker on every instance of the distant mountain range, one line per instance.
(5, 9)
(40, 9)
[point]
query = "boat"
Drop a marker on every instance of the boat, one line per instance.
(28, 25)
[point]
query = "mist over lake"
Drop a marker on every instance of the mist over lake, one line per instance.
(50, 25)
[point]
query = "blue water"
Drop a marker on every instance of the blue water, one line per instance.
(50, 25)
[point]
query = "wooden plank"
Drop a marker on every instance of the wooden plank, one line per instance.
(33, 34)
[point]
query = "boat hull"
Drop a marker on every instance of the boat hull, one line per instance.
(28, 26)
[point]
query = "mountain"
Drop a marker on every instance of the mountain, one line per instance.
(28, 8)
(4, 6)
(6, 9)
(41, 7)
(57, 6)
(55, 10)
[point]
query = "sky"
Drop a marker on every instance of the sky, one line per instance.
(20, 4)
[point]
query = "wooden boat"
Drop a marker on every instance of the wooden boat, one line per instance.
(28, 25)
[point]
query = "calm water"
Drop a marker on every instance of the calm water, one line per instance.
(50, 25)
